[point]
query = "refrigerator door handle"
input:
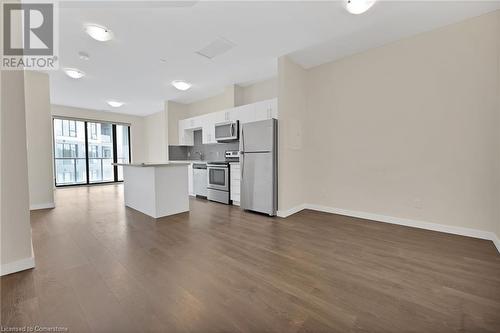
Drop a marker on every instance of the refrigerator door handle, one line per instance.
(242, 153)
(242, 167)
(242, 142)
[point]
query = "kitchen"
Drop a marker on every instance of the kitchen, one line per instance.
(268, 167)
(232, 155)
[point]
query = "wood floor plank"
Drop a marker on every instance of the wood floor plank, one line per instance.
(102, 267)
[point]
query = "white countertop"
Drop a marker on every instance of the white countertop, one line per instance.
(152, 164)
(188, 162)
(198, 162)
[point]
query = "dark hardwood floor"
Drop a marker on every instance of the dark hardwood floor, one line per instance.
(101, 267)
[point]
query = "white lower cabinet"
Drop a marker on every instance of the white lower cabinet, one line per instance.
(235, 182)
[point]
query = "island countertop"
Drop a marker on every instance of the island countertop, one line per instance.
(156, 188)
(151, 164)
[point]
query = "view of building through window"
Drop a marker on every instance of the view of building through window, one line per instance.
(100, 140)
(122, 147)
(75, 152)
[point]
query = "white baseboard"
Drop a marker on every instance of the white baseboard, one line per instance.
(291, 211)
(43, 206)
(17, 266)
(496, 241)
(400, 221)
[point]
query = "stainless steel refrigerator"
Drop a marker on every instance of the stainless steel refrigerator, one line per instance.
(259, 166)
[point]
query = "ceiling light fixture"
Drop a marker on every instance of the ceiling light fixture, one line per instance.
(74, 73)
(357, 7)
(98, 32)
(181, 85)
(115, 104)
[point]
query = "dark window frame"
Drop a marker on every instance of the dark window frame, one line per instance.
(74, 151)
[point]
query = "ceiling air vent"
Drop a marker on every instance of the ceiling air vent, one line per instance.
(215, 48)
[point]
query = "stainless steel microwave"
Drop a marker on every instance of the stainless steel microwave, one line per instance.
(227, 131)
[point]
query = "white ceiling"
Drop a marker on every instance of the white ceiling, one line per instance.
(128, 68)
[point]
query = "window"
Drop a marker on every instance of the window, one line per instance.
(93, 151)
(72, 128)
(84, 151)
(122, 147)
(106, 130)
(107, 152)
(93, 131)
(66, 128)
(67, 150)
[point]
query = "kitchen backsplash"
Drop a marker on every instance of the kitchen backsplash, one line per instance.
(210, 152)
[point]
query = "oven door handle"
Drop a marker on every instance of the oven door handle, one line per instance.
(217, 167)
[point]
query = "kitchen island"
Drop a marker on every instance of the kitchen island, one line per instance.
(156, 189)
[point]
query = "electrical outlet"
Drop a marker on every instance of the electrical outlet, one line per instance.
(417, 203)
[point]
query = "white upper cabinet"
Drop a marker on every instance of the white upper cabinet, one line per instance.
(193, 123)
(209, 121)
(266, 109)
(185, 132)
(245, 114)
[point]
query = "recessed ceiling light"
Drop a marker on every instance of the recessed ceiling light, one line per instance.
(181, 85)
(74, 73)
(358, 6)
(98, 32)
(115, 104)
(83, 55)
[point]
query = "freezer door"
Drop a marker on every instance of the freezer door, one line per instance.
(257, 136)
(257, 183)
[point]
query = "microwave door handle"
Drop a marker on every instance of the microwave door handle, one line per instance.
(231, 130)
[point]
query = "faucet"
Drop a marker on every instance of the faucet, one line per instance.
(199, 153)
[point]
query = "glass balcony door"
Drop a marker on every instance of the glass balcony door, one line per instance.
(69, 152)
(100, 148)
(122, 148)
(84, 151)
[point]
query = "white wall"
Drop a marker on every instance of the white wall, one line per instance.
(497, 172)
(156, 135)
(259, 91)
(175, 112)
(139, 148)
(16, 248)
(408, 130)
(292, 104)
(223, 101)
(39, 139)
